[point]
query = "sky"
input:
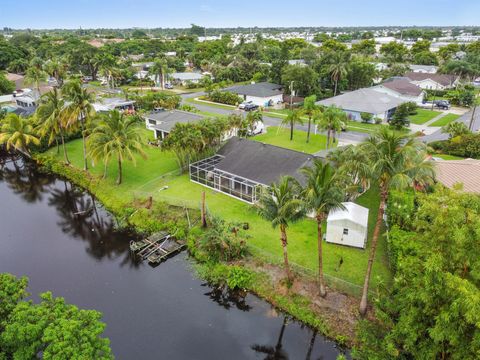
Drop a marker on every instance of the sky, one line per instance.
(73, 14)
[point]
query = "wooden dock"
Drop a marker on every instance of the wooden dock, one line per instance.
(156, 247)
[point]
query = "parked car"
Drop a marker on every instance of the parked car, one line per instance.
(250, 107)
(258, 128)
(442, 104)
(242, 105)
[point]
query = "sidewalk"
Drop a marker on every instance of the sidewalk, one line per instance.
(425, 128)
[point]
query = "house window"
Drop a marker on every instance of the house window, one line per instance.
(345, 231)
(152, 122)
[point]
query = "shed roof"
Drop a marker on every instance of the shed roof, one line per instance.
(261, 89)
(363, 100)
(353, 212)
(262, 163)
(166, 119)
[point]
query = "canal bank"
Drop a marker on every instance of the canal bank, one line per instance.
(334, 317)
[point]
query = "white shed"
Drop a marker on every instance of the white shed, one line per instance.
(348, 227)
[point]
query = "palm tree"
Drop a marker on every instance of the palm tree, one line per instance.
(309, 109)
(293, 117)
(116, 136)
(159, 70)
(49, 119)
(79, 110)
(281, 205)
(18, 133)
(338, 69)
(323, 192)
(35, 76)
(332, 120)
(397, 162)
(235, 122)
(252, 118)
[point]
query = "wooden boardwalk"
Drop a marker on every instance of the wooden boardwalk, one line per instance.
(156, 247)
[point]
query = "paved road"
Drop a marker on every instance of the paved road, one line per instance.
(438, 135)
(344, 137)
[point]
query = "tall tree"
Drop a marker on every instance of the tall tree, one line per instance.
(18, 133)
(324, 191)
(79, 110)
(338, 68)
(397, 162)
(159, 69)
(281, 205)
(35, 76)
(116, 136)
(310, 109)
(49, 119)
(293, 117)
(332, 120)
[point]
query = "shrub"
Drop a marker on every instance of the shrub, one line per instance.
(239, 277)
(366, 117)
(224, 97)
(466, 146)
(400, 244)
(401, 209)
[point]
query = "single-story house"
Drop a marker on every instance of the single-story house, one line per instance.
(261, 94)
(27, 99)
(348, 226)
(453, 172)
(183, 78)
(241, 168)
(16, 78)
(300, 62)
(108, 104)
(161, 122)
(425, 69)
(366, 100)
(432, 81)
(403, 89)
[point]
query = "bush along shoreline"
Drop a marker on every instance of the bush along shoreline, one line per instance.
(220, 253)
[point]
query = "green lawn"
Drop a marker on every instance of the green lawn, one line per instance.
(148, 179)
(302, 236)
(422, 116)
(447, 119)
(448, 157)
(280, 136)
(215, 105)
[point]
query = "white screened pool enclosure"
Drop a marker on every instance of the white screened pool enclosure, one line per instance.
(204, 172)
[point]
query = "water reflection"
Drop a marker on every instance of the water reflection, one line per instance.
(227, 298)
(80, 215)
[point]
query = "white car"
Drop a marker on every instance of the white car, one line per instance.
(258, 128)
(242, 105)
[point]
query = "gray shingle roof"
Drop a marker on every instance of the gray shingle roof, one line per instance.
(166, 119)
(363, 100)
(443, 79)
(262, 163)
(261, 89)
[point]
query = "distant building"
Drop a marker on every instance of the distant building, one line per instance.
(120, 104)
(425, 69)
(368, 100)
(432, 81)
(261, 94)
(183, 78)
(403, 89)
(161, 122)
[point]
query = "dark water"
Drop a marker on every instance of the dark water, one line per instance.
(151, 313)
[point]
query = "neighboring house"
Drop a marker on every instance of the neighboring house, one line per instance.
(261, 94)
(185, 77)
(465, 172)
(28, 99)
(432, 81)
(425, 69)
(241, 168)
(300, 62)
(403, 89)
(17, 79)
(349, 226)
(161, 122)
(367, 100)
(108, 104)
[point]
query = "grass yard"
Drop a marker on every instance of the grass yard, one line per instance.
(302, 236)
(422, 116)
(448, 157)
(280, 136)
(215, 105)
(447, 119)
(148, 179)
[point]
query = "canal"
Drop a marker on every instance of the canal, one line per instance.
(62, 239)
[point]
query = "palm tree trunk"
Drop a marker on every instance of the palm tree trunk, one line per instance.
(323, 290)
(283, 238)
(85, 165)
(58, 145)
(64, 148)
(371, 258)
(328, 138)
(336, 84)
(308, 130)
(291, 130)
(119, 180)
